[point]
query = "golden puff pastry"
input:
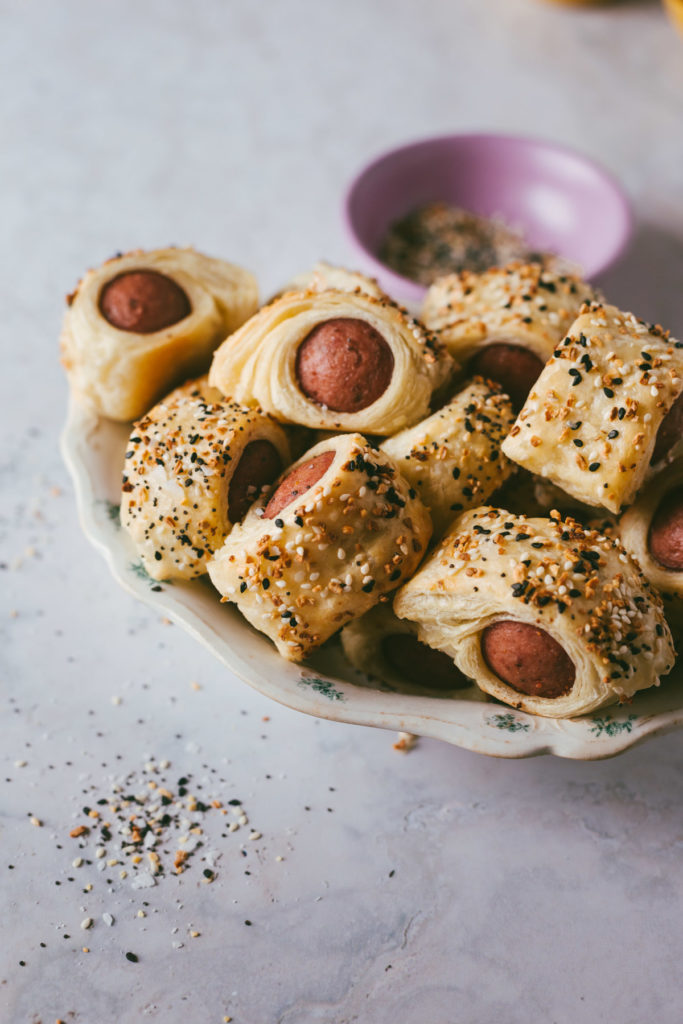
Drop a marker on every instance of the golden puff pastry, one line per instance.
(334, 360)
(505, 323)
(651, 530)
(543, 614)
(325, 277)
(387, 648)
(591, 422)
(194, 465)
(340, 531)
(148, 320)
(453, 458)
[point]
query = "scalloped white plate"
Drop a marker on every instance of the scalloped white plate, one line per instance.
(93, 449)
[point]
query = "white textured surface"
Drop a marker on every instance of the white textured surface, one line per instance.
(541, 890)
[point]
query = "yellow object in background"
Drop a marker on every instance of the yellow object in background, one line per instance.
(674, 9)
(585, 3)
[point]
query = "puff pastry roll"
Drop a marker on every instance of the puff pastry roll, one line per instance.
(505, 323)
(334, 360)
(651, 530)
(453, 458)
(543, 614)
(194, 465)
(325, 277)
(341, 530)
(387, 648)
(148, 320)
(604, 407)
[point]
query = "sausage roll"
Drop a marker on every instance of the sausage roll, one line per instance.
(148, 320)
(505, 323)
(386, 648)
(453, 458)
(334, 360)
(341, 530)
(194, 465)
(604, 407)
(651, 530)
(543, 614)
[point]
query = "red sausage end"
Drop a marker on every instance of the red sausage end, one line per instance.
(298, 482)
(528, 659)
(143, 301)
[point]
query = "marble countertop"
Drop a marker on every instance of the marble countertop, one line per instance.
(361, 884)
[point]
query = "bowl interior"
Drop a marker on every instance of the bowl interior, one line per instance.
(561, 201)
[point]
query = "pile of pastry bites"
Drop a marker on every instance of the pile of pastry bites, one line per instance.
(490, 497)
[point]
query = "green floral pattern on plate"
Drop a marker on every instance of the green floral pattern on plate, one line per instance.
(323, 686)
(508, 722)
(609, 726)
(138, 569)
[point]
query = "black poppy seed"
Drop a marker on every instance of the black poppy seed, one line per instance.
(612, 434)
(519, 588)
(157, 555)
(574, 592)
(455, 472)
(608, 392)
(578, 442)
(575, 426)
(522, 536)
(587, 362)
(562, 607)
(594, 466)
(368, 587)
(243, 587)
(576, 375)
(617, 381)
(621, 413)
(265, 583)
(543, 600)
(468, 427)
(537, 544)
(527, 320)
(132, 957)
(298, 520)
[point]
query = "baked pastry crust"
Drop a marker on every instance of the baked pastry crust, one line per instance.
(590, 423)
(524, 304)
(328, 556)
(258, 363)
(121, 373)
(579, 586)
(180, 460)
(327, 277)
(633, 529)
(362, 644)
(453, 458)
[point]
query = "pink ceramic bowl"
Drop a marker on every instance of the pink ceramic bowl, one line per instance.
(562, 202)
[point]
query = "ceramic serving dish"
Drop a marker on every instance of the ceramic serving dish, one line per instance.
(561, 201)
(327, 686)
